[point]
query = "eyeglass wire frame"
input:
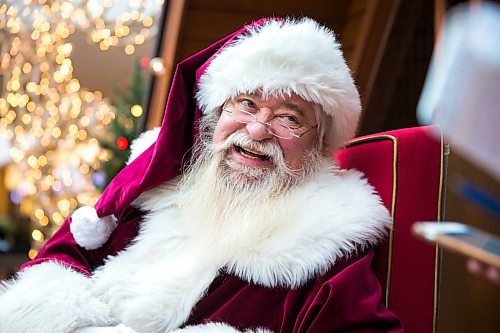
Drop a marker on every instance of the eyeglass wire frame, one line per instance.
(268, 124)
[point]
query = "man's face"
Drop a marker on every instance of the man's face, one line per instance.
(292, 109)
(242, 170)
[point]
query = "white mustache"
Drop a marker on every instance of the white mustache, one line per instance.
(269, 148)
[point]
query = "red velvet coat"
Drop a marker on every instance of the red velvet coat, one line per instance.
(346, 298)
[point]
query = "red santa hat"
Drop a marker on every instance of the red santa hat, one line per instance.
(273, 56)
(284, 57)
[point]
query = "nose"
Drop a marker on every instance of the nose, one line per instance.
(259, 130)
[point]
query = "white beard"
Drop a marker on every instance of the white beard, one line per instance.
(231, 204)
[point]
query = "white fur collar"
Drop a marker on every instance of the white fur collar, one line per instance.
(172, 262)
(334, 215)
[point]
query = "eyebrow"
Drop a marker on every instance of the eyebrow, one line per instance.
(294, 107)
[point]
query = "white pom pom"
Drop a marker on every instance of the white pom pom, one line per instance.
(89, 230)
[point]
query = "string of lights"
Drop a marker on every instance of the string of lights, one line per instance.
(52, 123)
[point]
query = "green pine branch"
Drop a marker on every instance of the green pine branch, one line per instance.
(124, 124)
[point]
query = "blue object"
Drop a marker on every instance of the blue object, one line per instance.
(478, 196)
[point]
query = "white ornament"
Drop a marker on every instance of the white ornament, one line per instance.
(89, 230)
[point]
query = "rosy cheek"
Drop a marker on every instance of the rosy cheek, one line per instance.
(288, 152)
(223, 129)
(293, 153)
(218, 136)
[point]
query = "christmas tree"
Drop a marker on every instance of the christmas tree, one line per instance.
(54, 125)
(126, 126)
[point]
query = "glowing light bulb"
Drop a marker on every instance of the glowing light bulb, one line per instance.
(37, 235)
(157, 66)
(32, 254)
(136, 110)
(122, 143)
(129, 49)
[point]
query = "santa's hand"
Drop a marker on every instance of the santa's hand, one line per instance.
(115, 329)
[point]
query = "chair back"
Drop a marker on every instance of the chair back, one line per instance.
(407, 168)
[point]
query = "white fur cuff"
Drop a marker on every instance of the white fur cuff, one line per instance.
(89, 230)
(49, 298)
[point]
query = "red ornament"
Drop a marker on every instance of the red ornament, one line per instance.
(144, 62)
(122, 143)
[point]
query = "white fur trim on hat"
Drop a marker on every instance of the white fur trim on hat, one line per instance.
(143, 142)
(284, 57)
(89, 230)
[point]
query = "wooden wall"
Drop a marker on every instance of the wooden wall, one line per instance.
(207, 21)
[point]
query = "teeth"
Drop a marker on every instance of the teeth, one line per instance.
(251, 154)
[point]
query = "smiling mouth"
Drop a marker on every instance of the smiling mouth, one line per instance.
(251, 154)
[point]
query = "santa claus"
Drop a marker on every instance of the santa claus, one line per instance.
(232, 216)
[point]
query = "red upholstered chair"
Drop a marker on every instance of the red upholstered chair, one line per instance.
(407, 167)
